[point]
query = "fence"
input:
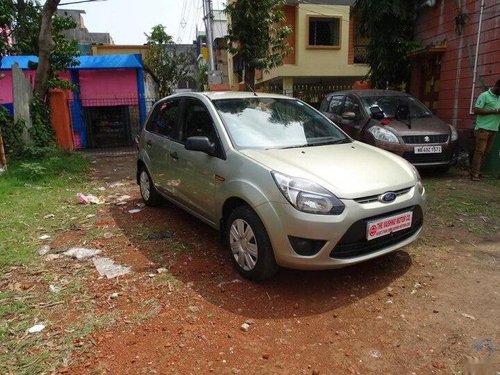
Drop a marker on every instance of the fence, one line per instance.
(106, 122)
(312, 94)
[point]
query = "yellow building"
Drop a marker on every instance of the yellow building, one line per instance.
(114, 49)
(326, 54)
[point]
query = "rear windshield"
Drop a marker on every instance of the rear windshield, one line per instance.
(276, 123)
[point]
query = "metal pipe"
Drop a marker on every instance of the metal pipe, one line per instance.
(476, 57)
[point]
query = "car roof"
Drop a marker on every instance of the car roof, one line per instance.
(214, 95)
(371, 92)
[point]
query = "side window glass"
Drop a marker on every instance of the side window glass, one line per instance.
(164, 121)
(336, 105)
(151, 124)
(197, 122)
(352, 105)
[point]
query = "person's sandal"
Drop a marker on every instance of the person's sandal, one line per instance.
(475, 177)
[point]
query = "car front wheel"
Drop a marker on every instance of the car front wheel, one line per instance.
(249, 245)
(148, 191)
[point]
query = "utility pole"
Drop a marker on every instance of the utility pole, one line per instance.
(214, 76)
(209, 17)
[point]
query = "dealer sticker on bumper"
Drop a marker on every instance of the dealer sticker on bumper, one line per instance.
(427, 149)
(386, 225)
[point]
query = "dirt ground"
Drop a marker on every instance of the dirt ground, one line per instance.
(431, 308)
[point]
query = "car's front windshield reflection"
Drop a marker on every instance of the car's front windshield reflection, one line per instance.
(261, 122)
(389, 105)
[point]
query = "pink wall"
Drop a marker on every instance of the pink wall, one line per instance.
(6, 85)
(108, 87)
(97, 87)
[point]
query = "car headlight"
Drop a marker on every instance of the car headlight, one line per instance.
(307, 196)
(454, 133)
(419, 184)
(381, 134)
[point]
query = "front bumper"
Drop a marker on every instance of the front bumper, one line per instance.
(447, 156)
(344, 236)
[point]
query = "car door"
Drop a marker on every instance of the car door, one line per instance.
(352, 118)
(194, 171)
(159, 130)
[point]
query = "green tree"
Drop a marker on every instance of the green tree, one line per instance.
(257, 35)
(27, 28)
(165, 61)
(389, 24)
(30, 29)
(45, 48)
(19, 23)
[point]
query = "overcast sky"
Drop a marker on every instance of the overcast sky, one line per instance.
(128, 20)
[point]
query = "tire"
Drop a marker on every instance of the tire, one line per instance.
(249, 245)
(149, 193)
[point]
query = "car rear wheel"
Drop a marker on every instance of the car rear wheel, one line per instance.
(249, 245)
(148, 191)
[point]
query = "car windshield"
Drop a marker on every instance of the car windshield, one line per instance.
(390, 104)
(261, 122)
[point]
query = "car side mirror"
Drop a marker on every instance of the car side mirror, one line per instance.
(376, 112)
(348, 115)
(201, 144)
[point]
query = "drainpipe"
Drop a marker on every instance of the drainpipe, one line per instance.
(476, 57)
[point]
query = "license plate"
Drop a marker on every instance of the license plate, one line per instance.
(387, 225)
(427, 149)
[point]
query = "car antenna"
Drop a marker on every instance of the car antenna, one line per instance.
(251, 89)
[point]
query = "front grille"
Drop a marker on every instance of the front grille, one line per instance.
(354, 242)
(374, 198)
(427, 158)
(420, 139)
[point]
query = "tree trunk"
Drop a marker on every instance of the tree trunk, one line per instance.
(3, 159)
(249, 78)
(45, 45)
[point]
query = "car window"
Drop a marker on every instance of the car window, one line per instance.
(261, 122)
(390, 103)
(352, 105)
(164, 119)
(197, 121)
(336, 104)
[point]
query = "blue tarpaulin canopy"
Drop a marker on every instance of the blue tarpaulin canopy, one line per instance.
(133, 61)
(130, 61)
(6, 62)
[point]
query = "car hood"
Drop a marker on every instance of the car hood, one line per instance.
(419, 126)
(350, 170)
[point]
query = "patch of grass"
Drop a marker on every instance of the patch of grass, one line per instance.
(474, 207)
(22, 353)
(150, 308)
(37, 353)
(168, 250)
(168, 280)
(38, 198)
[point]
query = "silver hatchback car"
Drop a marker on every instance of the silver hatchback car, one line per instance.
(284, 185)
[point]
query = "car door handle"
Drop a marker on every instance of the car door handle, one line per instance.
(149, 143)
(174, 155)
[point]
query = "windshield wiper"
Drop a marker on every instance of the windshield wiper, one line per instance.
(335, 142)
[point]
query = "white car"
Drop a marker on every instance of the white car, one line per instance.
(284, 184)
